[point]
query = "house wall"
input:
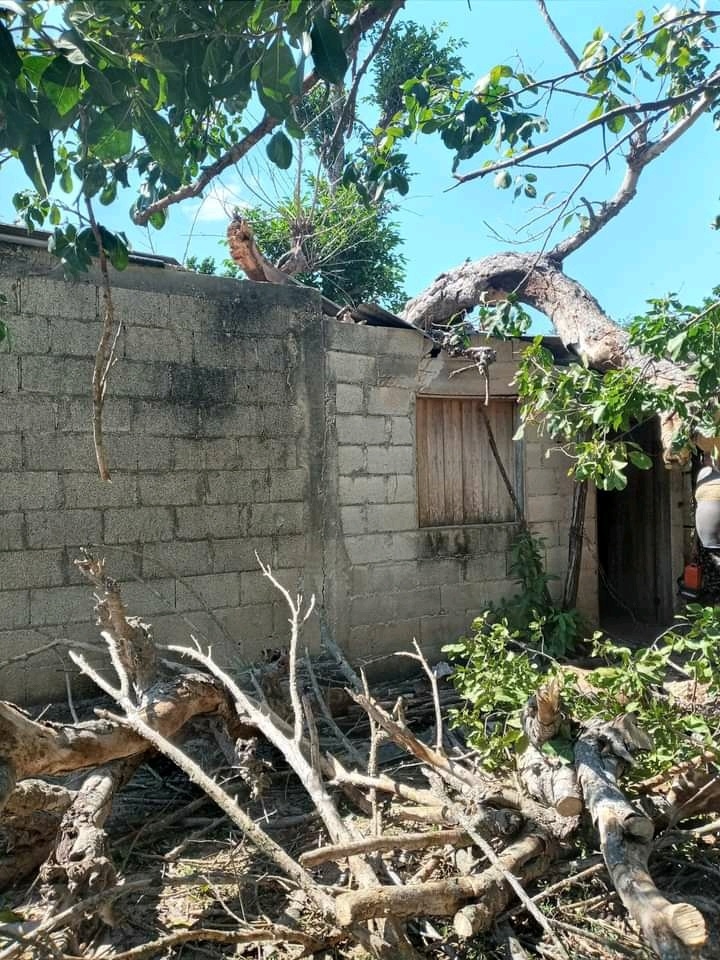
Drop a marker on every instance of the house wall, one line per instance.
(237, 420)
(393, 581)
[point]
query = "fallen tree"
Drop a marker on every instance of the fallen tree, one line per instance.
(495, 839)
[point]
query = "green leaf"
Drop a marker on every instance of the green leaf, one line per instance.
(10, 62)
(327, 51)
(106, 140)
(640, 459)
(502, 180)
(60, 83)
(280, 150)
(278, 70)
(615, 124)
(675, 344)
(160, 139)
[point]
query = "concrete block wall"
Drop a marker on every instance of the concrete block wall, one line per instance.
(237, 420)
(393, 580)
(213, 427)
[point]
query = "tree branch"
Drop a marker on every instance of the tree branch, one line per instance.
(552, 27)
(626, 109)
(637, 161)
(360, 24)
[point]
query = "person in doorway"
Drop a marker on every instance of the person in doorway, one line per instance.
(707, 510)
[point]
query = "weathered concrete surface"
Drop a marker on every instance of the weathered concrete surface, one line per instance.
(237, 420)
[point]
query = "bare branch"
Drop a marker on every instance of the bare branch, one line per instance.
(553, 28)
(637, 161)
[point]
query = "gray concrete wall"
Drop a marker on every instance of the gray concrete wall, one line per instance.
(214, 431)
(238, 420)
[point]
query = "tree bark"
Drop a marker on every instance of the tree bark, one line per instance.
(443, 898)
(539, 281)
(675, 931)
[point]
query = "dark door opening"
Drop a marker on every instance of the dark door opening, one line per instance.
(633, 525)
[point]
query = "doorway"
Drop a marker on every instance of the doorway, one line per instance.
(634, 546)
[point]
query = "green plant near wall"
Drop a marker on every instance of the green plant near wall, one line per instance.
(496, 672)
(531, 613)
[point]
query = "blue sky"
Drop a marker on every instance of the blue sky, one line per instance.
(661, 242)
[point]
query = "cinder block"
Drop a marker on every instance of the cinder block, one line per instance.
(259, 453)
(172, 488)
(348, 398)
(401, 430)
(30, 491)
(138, 523)
(391, 516)
(373, 609)
(10, 451)
(272, 353)
(277, 519)
(351, 368)
(148, 599)
(351, 460)
(58, 376)
(199, 454)
(392, 638)
(74, 338)
(57, 298)
(400, 488)
(436, 632)
(398, 371)
(262, 387)
(212, 590)
(158, 418)
(353, 520)
(60, 451)
(137, 452)
(288, 484)
(14, 609)
(75, 415)
(359, 429)
(195, 523)
(463, 597)
(439, 572)
(256, 588)
(176, 558)
(12, 531)
(27, 413)
(404, 546)
(144, 307)
(390, 460)
(60, 605)
(385, 577)
(238, 486)
(283, 421)
(129, 379)
(394, 401)
(235, 419)
(87, 490)
(368, 548)
(361, 490)
(158, 345)
(30, 335)
(60, 528)
(547, 481)
(289, 552)
(547, 508)
(416, 603)
(9, 373)
(239, 553)
(360, 581)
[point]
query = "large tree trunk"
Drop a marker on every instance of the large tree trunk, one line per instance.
(540, 282)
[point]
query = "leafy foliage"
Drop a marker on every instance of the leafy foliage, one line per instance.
(352, 250)
(496, 674)
(150, 93)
